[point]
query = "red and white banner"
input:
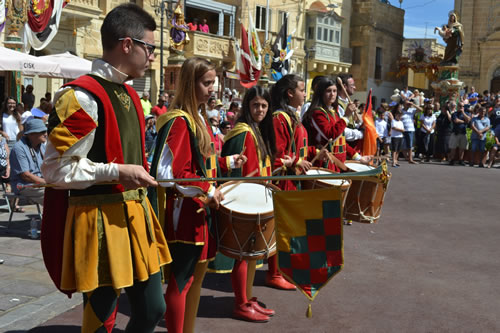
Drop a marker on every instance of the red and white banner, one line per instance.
(43, 23)
(248, 56)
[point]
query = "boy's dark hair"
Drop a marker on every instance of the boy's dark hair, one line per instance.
(127, 20)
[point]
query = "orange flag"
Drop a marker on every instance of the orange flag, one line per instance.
(370, 135)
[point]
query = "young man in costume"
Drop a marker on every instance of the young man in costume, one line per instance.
(107, 236)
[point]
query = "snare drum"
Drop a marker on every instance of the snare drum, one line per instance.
(343, 184)
(365, 198)
(245, 226)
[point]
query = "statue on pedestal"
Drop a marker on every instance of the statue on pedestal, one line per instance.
(178, 32)
(453, 35)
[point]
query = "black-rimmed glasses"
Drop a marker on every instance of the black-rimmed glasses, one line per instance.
(150, 48)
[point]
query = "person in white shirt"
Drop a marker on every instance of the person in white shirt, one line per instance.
(397, 131)
(428, 121)
(382, 132)
(408, 119)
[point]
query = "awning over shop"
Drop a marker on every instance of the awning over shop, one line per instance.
(72, 66)
(27, 64)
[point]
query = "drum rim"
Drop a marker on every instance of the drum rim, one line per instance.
(264, 215)
(358, 162)
(345, 182)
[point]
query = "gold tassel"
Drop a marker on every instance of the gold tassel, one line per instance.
(309, 312)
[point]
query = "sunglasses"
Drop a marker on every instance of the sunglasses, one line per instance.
(150, 48)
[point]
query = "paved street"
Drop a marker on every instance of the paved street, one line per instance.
(430, 265)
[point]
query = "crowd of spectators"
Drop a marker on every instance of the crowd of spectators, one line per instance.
(465, 129)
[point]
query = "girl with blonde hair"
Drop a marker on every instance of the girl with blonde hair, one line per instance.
(185, 149)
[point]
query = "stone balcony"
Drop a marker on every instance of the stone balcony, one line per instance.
(219, 49)
(82, 9)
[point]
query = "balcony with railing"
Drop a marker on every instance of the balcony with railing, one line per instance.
(214, 47)
(82, 9)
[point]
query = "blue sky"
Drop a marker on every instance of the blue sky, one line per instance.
(420, 12)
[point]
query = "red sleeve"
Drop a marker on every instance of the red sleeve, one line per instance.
(311, 153)
(183, 165)
(223, 164)
(252, 155)
(282, 139)
(330, 128)
(350, 152)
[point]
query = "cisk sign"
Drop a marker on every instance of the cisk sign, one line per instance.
(28, 65)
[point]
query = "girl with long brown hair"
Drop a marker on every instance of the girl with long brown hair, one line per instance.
(185, 149)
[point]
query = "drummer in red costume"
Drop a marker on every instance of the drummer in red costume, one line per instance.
(254, 134)
(185, 149)
(293, 154)
(323, 123)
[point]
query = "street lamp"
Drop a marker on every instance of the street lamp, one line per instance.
(160, 9)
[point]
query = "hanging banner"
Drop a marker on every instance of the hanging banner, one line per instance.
(3, 14)
(309, 237)
(43, 23)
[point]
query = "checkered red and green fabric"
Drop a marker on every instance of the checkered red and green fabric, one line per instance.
(309, 237)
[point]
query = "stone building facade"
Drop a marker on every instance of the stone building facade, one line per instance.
(480, 60)
(329, 37)
(376, 42)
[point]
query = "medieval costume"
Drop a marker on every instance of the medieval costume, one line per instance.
(96, 238)
(327, 124)
(244, 138)
(186, 227)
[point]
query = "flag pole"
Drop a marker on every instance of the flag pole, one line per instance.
(346, 175)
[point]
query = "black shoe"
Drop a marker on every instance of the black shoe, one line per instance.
(452, 162)
(471, 164)
(481, 165)
(462, 163)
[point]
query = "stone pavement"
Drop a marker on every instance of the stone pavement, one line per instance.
(27, 295)
(430, 265)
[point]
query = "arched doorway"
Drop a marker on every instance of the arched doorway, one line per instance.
(495, 81)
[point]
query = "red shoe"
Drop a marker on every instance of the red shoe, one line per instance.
(249, 313)
(279, 282)
(264, 311)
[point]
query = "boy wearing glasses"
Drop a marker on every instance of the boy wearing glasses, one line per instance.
(107, 236)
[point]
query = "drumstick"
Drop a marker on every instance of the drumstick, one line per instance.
(337, 162)
(251, 174)
(339, 81)
(317, 155)
(229, 189)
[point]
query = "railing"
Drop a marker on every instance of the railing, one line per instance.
(86, 6)
(210, 46)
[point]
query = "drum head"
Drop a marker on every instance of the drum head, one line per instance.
(248, 198)
(358, 167)
(336, 182)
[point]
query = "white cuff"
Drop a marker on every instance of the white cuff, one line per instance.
(211, 192)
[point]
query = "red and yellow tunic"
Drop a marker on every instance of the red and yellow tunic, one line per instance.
(242, 137)
(284, 129)
(178, 156)
(326, 125)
